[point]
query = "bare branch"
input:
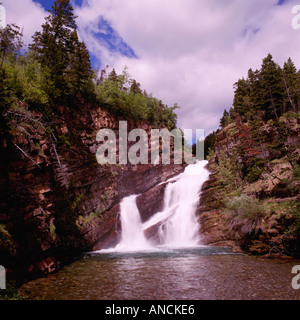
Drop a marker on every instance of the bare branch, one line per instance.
(26, 155)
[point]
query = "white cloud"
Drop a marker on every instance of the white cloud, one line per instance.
(26, 14)
(189, 51)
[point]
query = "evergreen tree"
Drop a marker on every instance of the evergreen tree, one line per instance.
(63, 57)
(135, 87)
(10, 42)
(255, 94)
(225, 120)
(79, 71)
(10, 45)
(272, 88)
(113, 77)
(241, 102)
(209, 143)
(291, 86)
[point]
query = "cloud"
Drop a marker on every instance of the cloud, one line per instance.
(26, 14)
(192, 52)
(186, 52)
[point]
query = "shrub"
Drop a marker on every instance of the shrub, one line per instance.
(296, 172)
(254, 174)
(245, 213)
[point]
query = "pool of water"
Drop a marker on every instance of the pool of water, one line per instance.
(200, 273)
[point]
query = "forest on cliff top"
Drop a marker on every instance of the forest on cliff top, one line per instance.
(255, 156)
(56, 70)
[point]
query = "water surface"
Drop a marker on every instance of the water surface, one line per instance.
(177, 274)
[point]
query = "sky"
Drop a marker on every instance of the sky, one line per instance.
(188, 52)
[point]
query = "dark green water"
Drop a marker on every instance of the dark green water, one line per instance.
(183, 274)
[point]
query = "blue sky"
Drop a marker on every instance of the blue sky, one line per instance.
(105, 34)
(47, 4)
(189, 52)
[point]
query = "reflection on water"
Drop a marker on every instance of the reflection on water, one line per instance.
(193, 274)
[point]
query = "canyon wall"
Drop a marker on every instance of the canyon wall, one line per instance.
(56, 200)
(274, 188)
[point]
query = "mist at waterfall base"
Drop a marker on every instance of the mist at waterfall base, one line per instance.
(177, 223)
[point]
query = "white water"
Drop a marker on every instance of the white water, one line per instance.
(133, 238)
(181, 229)
(178, 224)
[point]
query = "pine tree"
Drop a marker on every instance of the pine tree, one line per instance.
(10, 42)
(135, 87)
(54, 46)
(225, 120)
(255, 93)
(272, 88)
(241, 102)
(113, 77)
(291, 86)
(79, 71)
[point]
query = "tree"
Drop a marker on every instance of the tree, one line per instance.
(10, 45)
(241, 102)
(135, 87)
(63, 57)
(6, 99)
(291, 86)
(113, 77)
(272, 88)
(10, 42)
(79, 71)
(209, 142)
(123, 96)
(225, 120)
(255, 94)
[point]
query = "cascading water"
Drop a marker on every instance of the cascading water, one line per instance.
(178, 223)
(181, 229)
(132, 232)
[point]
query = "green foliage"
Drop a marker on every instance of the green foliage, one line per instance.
(245, 213)
(225, 120)
(269, 92)
(77, 201)
(63, 140)
(57, 70)
(227, 172)
(10, 42)
(6, 240)
(254, 173)
(26, 82)
(255, 170)
(296, 172)
(63, 57)
(6, 99)
(122, 95)
(209, 143)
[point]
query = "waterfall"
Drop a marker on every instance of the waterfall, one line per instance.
(181, 229)
(178, 225)
(132, 232)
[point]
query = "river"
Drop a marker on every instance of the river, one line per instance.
(176, 267)
(203, 273)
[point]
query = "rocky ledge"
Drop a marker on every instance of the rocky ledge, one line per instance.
(56, 201)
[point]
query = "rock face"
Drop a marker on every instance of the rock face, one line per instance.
(55, 198)
(214, 229)
(276, 189)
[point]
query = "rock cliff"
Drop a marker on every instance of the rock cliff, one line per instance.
(273, 183)
(56, 200)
